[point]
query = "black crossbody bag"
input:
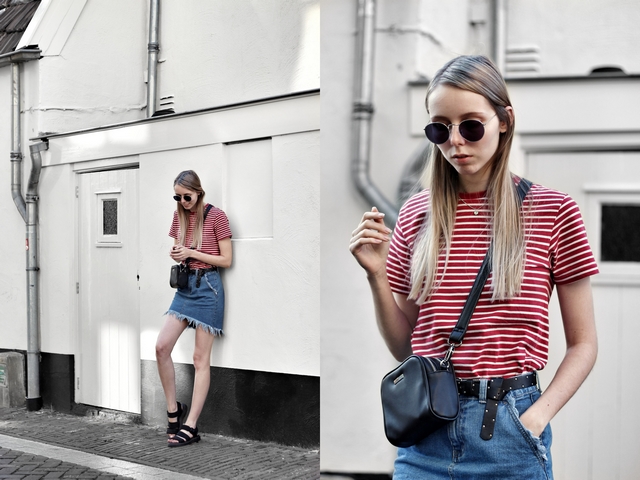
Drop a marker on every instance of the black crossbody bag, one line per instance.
(421, 395)
(179, 275)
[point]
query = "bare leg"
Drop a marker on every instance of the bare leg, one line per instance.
(202, 364)
(167, 338)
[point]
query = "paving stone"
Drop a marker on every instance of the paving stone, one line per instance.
(215, 457)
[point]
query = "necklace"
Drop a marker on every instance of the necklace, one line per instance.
(475, 211)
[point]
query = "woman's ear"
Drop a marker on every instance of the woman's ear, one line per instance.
(510, 114)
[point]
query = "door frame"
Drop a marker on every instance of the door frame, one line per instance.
(94, 166)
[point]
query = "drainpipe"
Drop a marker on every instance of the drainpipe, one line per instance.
(499, 34)
(16, 149)
(28, 211)
(154, 48)
(363, 113)
(34, 400)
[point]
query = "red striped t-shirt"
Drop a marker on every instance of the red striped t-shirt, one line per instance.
(505, 338)
(216, 228)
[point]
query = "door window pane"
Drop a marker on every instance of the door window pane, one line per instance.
(620, 235)
(110, 217)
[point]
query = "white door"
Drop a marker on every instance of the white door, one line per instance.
(108, 367)
(596, 435)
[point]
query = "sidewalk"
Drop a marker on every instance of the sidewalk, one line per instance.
(103, 448)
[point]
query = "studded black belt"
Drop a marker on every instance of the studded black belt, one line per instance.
(497, 388)
(199, 273)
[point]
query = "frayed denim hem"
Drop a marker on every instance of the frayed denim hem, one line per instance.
(193, 323)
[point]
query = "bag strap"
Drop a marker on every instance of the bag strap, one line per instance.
(204, 217)
(455, 339)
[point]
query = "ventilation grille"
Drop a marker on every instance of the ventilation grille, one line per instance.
(523, 60)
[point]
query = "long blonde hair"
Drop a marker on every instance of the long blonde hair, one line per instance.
(190, 180)
(479, 75)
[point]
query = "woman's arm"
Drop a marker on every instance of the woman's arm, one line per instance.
(180, 254)
(395, 315)
(576, 306)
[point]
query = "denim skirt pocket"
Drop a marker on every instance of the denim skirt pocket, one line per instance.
(516, 403)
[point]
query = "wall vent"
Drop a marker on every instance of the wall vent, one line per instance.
(522, 60)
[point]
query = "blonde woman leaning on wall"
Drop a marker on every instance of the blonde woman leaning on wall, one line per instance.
(202, 240)
(421, 277)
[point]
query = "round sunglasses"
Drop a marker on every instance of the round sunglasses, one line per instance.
(187, 198)
(470, 130)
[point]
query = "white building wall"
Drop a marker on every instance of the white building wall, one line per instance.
(240, 50)
(13, 300)
(94, 65)
(93, 74)
(573, 37)
(272, 288)
(58, 275)
(211, 53)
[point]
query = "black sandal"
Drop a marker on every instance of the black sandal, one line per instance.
(181, 415)
(183, 438)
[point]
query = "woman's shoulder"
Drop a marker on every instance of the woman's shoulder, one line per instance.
(214, 210)
(416, 205)
(543, 195)
(215, 216)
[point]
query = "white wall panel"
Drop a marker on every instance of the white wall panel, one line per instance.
(58, 266)
(249, 188)
(243, 50)
(573, 37)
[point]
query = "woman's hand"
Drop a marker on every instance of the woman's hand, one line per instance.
(576, 306)
(533, 424)
(179, 253)
(370, 242)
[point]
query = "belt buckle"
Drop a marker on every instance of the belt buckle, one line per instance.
(494, 389)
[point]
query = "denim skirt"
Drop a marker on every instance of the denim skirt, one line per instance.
(456, 451)
(201, 302)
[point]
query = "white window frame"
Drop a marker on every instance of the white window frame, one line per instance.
(102, 240)
(615, 273)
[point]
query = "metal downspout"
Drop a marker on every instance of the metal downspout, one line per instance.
(29, 215)
(154, 48)
(363, 112)
(34, 400)
(16, 149)
(29, 211)
(499, 34)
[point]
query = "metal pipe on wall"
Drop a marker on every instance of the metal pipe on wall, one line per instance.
(363, 112)
(499, 34)
(34, 400)
(154, 48)
(29, 211)
(16, 148)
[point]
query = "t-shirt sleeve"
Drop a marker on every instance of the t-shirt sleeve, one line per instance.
(221, 225)
(571, 256)
(175, 226)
